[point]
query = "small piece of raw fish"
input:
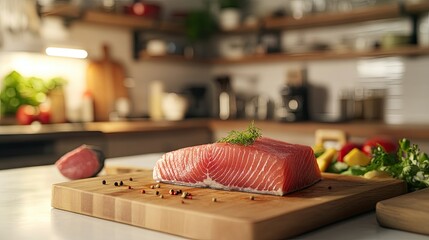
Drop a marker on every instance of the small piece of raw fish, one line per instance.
(82, 162)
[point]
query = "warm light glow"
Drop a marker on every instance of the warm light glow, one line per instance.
(66, 52)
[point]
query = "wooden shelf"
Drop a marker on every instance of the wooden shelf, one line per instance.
(114, 19)
(326, 55)
(133, 22)
(243, 29)
(386, 11)
(62, 10)
(329, 19)
(171, 58)
(282, 57)
(119, 20)
(417, 8)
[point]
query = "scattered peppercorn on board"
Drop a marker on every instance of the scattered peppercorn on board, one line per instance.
(204, 213)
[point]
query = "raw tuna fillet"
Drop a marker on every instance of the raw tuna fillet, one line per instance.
(267, 166)
(82, 162)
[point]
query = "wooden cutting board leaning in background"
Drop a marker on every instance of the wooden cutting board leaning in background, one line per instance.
(409, 212)
(105, 81)
(234, 215)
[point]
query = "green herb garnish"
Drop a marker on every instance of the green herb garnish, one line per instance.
(411, 165)
(245, 138)
(408, 164)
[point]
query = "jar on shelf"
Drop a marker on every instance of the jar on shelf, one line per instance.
(423, 29)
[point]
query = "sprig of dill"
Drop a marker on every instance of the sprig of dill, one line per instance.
(245, 138)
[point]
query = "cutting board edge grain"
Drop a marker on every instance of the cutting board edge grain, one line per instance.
(197, 220)
(405, 212)
(186, 221)
(345, 210)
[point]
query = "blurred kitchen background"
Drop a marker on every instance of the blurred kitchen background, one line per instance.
(153, 76)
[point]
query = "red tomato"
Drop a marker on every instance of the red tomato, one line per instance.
(386, 143)
(346, 148)
(26, 114)
(44, 115)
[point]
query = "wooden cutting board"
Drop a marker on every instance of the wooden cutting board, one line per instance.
(105, 81)
(409, 212)
(233, 216)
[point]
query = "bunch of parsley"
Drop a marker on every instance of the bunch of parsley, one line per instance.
(409, 164)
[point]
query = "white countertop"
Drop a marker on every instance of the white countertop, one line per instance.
(26, 212)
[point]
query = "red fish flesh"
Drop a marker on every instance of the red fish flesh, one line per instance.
(82, 162)
(267, 166)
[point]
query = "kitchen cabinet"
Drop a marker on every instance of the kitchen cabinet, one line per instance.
(43, 148)
(29, 146)
(140, 137)
(22, 146)
(134, 143)
(381, 12)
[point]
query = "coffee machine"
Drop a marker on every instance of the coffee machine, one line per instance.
(198, 101)
(295, 97)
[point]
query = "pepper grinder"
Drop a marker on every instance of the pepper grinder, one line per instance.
(226, 98)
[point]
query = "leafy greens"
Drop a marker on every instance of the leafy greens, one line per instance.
(408, 164)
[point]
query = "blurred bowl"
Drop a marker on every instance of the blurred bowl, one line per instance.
(156, 47)
(174, 106)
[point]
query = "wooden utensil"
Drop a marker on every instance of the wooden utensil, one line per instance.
(409, 212)
(234, 215)
(105, 81)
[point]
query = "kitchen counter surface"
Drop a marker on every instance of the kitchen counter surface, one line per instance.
(25, 212)
(358, 129)
(104, 127)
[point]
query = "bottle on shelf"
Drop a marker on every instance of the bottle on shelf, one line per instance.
(227, 108)
(87, 110)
